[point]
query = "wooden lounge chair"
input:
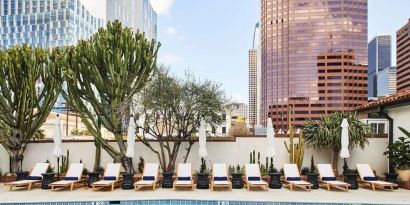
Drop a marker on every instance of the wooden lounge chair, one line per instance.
(72, 178)
(149, 177)
(253, 177)
(367, 177)
(111, 177)
(292, 178)
(33, 178)
(184, 177)
(328, 178)
(220, 177)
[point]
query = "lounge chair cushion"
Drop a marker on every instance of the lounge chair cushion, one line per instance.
(328, 178)
(337, 183)
(110, 178)
(179, 182)
(293, 178)
(33, 178)
(254, 178)
(220, 178)
(370, 178)
(70, 178)
(221, 182)
(148, 178)
(104, 182)
(184, 178)
(144, 182)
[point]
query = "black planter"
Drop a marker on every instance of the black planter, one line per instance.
(202, 181)
(313, 179)
(351, 179)
(21, 175)
(392, 178)
(48, 178)
(167, 180)
(127, 181)
(274, 181)
(92, 177)
(237, 182)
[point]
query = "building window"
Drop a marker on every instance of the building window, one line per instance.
(223, 130)
(378, 128)
(223, 116)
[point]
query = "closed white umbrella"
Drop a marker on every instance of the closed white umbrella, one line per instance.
(270, 135)
(344, 151)
(131, 138)
(202, 139)
(57, 137)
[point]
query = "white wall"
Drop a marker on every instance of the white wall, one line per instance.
(400, 119)
(231, 153)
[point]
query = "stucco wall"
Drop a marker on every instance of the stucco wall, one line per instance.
(231, 153)
(401, 119)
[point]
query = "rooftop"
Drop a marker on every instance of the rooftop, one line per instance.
(393, 100)
(362, 195)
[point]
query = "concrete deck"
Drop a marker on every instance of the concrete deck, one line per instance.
(362, 195)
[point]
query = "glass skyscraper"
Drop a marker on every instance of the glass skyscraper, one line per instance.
(379, 59)
(135, 14)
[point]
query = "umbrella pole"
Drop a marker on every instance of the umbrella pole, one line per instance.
(58, 168)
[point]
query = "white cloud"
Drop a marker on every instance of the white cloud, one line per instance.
(238, 98)
(162, 7)
(173, 32)
(168, 59)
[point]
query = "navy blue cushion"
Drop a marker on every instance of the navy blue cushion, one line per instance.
(370, 178)
(254, 178)
(329, 178)
(70, 178)
(220, 178)
(33, 178)
(109, 178)
(293, 178)
(150, 178)
(184, 178)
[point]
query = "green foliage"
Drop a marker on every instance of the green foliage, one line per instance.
(106, 71)
(296, 151)
(400, 151)
(85, 170)
(326, 133)
(39, 135)
(172, 109)
(65, 161)
(50, 168)
(263, 170)
(141, 165)
(100, 170)
(272, 168)
(238, 169)
(305, 170)
(23, 105)
(77, 132)
(203, 168)
(313, 168)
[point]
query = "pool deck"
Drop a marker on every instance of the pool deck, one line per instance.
(362, 195)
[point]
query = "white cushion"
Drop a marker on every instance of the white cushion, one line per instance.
(260, 182)
(184, 170)
(221, 182)
(113, 170)
(144, 182)
(183, 182)
(39, 169)
(291, 170)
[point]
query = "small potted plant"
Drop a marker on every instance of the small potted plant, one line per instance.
(48, 177)
(312, 175)
(399, 155)
(237, 182)
(350, 176)
(202, 176)
(274, 176)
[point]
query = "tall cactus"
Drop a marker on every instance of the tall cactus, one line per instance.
(25, 103)
(107, 71)
(296, 151)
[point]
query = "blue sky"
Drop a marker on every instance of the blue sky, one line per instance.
(212, 37)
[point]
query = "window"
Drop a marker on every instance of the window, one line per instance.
(223, 130)
(378, 128)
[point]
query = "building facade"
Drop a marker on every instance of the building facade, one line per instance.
(403, 58)
(301, 39)
(254, 59)
(386, 82)
(379, 51)
(45, 23)
(136, 14)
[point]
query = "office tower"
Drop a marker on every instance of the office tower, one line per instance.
(136, 14)
(386, 82)
(45, 23)
(403, 56)
(254, 59)
(379, 59)
(314, 58)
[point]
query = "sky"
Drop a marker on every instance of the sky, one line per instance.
(211, 38)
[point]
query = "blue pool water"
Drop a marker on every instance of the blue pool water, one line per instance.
(186, 202)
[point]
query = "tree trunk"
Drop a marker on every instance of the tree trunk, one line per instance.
(97, 159)
(127, 164)
(16, 160)
(335, 159)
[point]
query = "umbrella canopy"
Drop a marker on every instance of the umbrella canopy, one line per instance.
(344, 151)
(270, 135)
(57, 137)
(131, 138)
(202, 140)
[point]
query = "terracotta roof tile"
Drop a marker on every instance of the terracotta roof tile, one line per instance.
(390, 100)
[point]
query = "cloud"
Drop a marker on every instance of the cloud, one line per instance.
(238, 98)
(162, 7)
(168, 59)
(173, 32)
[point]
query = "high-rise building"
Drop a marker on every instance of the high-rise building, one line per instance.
(314, 58)
(255, 65)
(403, 56)
(45, 23)
(386, 82)
(136, 14)
(379, 59)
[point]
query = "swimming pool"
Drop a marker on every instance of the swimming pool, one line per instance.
(186, 202)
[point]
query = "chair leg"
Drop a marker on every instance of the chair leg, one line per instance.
(373, 187)
(29, 186)
(11, 188)
(72, 187)
(328, 187)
